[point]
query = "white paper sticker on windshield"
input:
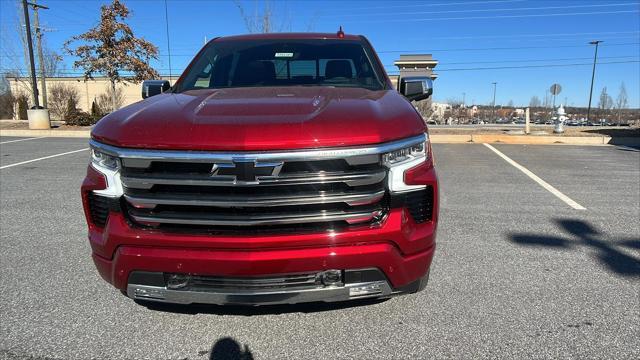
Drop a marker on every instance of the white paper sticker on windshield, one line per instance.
(287, 55)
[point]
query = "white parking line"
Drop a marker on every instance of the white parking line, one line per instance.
(629, 148)
(541, 182)
(12, 141)
(42, 158)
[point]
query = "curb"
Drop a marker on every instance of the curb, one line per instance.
(534, 139)
(47, 133)
(435, 138)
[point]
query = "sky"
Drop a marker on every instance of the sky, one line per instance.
(524, 46)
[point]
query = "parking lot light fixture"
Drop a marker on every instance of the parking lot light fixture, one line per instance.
(593, 75)
(493, 106)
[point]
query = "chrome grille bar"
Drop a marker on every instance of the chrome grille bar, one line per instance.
(226, 201)
(253, 220)
(355, 178)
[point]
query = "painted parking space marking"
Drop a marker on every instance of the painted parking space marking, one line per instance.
(540, 182)
(12, 141)
(43, 158)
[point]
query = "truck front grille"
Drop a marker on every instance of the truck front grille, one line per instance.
(183, 193)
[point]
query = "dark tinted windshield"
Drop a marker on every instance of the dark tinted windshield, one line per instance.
(243, 63)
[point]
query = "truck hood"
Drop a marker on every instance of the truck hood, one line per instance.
(266, 118)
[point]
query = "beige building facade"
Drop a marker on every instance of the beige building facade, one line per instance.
(91, 89)
(88, 90)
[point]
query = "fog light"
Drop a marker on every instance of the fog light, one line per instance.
(332, 277)
(370, 289)
(178, 281)
(149, 293)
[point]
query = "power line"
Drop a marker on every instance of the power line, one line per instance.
(527, 60)
(441, 70)
(474, 37)
(498, 48)
(488, 10)
(442, 4)
(497, 16)
(534, 66)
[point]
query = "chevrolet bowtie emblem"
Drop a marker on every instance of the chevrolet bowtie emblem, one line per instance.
(246, 171)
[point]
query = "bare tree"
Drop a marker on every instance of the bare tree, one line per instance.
(52, 62)
(7, 104)
(60, 95)
(110, 101)
(262, 20)
(510, 103)
(18, 62)
(534, 102)
(111, 49)
(622, 101)
(606, 102)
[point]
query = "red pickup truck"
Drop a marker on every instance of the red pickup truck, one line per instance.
(279, 168)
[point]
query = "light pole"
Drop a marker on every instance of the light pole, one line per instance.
(34, 83)
(593, 75)
(493, 107)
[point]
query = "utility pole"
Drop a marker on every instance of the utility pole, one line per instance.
(34, 83)
(464, 95)
(166, 20)
(593, 75)
(36, 23)
(493, 107)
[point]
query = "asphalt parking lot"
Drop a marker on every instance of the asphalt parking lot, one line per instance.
(519, 272)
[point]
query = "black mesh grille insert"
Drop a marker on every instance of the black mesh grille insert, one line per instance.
(99, 208)
(419, 203)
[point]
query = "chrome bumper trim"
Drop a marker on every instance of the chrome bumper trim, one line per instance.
(289, 296)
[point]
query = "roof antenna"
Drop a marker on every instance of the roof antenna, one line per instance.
(340, 33)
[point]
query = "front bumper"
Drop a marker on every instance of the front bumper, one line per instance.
(399, 248)
(368, 283)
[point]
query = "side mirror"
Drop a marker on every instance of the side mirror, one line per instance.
(416, 88)
(154, 87)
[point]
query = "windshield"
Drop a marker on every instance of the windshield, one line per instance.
(259, 63)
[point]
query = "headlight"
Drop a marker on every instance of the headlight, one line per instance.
(399, 161)
(109, 166)
(104, 160)
(407, 154)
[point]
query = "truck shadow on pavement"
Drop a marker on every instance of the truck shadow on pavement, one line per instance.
(242, 310)
(584, 234)
(229, 349)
